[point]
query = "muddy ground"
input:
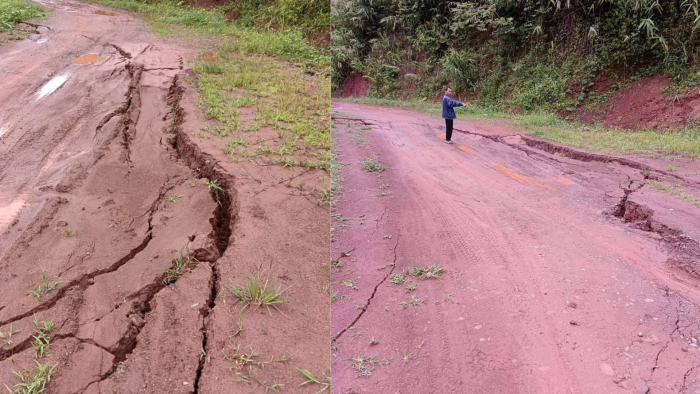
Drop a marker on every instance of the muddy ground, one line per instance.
(103, 186)
(563, 271)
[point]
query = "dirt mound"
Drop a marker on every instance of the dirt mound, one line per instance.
(355, 86)
(644, 104)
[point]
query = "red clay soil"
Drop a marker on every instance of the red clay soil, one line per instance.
(355, 86)
(551, 282)
(101, 185)
(644, 104)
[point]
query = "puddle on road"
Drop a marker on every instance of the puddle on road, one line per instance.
(565, 181)
(466, 149)
(89, 58)
(108, 13)
(3, 130)
(442, 136)
(52, 85)
(521, 178)
(41, 41)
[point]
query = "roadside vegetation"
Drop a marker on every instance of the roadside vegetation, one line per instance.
(14, 11)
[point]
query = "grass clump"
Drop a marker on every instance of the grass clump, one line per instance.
(42, 337)
(182, 260)
(33, 382)
(256, 293)
(397, 279)
(46, 286)
(371, 164)
(430, 272)
(14, 11)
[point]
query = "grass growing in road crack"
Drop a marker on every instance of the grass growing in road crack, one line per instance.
(219, 191)
(371, 164)
(325, 383)
(173, 197)
(182, 260)
(46, 286)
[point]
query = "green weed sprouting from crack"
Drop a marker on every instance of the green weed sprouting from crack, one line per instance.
(46, 286)
(411, 287)
(33, 383)
(42, 337)
(311, 379)
(430, 272)
(212, 184)
(182, 260)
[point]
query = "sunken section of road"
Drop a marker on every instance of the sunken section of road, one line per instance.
(119, 234)
(499, 266)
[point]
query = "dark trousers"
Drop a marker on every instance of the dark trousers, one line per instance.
(448, 134)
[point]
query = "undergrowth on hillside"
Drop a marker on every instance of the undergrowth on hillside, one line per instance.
(529, 55)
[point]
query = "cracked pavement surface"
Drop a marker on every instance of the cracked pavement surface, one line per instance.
(563, 271)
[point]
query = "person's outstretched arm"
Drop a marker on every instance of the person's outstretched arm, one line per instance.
(454, 103)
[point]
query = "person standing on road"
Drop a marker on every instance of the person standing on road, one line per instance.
(448, 113)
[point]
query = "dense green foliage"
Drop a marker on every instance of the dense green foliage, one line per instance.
(313, 16)
(13, 11)
(526, 54)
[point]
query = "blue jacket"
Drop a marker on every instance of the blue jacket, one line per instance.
(447, 105)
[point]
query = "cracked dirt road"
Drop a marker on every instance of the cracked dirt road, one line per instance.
(562, 274)
(101, 185)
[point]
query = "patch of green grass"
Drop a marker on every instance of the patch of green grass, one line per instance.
(430, 272)
(33, 382)
(415, 301)
(397, 279)
(182, 260)
(7, 336)
(682, 142)
(70, 232)
(46, 286)
(371, 164)
(325, 383)
(411, 287)
(676, 191)
(42, 337)
(13, 11)
(255, 293)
